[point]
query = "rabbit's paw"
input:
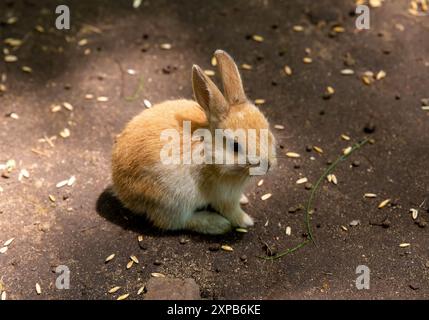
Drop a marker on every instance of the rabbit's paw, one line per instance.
(241, 219)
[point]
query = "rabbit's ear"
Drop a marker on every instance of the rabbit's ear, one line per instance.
(208, 95)
(231, 80)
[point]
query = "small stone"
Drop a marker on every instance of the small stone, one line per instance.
(308, 148)
(415, 286)
(356, 163)
(348, 60)
(157, 262)
(214, 247)
(308, 186)
(386, 223)
(421, 223)
(354, 223)
(183, 241)
(425, 102)
(369, 128)
(243, 258)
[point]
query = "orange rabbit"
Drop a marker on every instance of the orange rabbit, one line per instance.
(178, 196)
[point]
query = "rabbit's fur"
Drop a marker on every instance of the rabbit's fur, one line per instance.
(178, 196)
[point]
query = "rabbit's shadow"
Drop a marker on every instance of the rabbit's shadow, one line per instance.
(110, 208)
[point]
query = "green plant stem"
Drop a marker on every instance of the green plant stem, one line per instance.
(137, 92)
(309, 205)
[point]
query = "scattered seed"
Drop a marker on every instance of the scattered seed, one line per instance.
(8, 242)
(266, 196)
(109, 258)
(318, 149)
(404, 245)
(82, 42)
(370, 195)
(52, 198)
(26, 69)
(375, 3)
(307, 60)
(338, 29)
(293, 155)
(157, 275)
(68, 106)
(102, 99)
(298, 28)
(288, 231)
(39, 28)
(301, 181)
(344, 228)
(227, 248)
(55, 108)
(140, 291)
(62, 183)
(136, 3)
(89, 96)
(23, 174)
(3, 250)
(38, 289)
(13, 115)
(260, 182)
(123, 297)
(166, 46)
(246, 66)
(347, 72)
(244, 200)
(71, 181)
(345, 137)
(147, 103)
(366, 80)
(329, 92)
(209, 73)
(257, 38)
(347, 150)
(383, 203)
(130, 264)
(131, 72)
(279, 127)
(381, 75)
(213, 61)
(414, 214)
(259, 101)
(288, 70)
(134, 258)
(11, 20)
(241, 230)
(140, 238)
(13, 42)
(65, 133)
(114, 289)
(3, 296)
(10, 58)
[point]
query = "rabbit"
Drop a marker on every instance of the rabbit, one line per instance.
(203, 198)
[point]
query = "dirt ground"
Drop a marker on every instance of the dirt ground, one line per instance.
(80, 225)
